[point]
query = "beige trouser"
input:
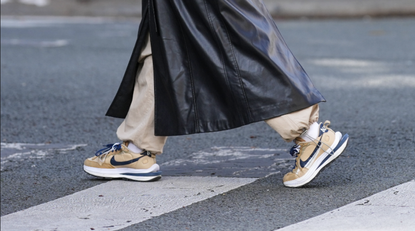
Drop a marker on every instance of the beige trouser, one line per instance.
(138, 126)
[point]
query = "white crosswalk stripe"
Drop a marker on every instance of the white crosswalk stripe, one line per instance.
(118, 204)
(392, 209)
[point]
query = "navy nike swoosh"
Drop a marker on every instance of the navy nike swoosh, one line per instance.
(303, 163)
(119, 163)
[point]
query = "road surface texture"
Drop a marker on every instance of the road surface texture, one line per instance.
(59, 75)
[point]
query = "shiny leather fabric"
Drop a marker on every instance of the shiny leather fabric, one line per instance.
(218, 64)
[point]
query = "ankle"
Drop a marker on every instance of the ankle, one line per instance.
(134, 148)
(312, 133)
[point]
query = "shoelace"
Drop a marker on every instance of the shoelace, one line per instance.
(295, 150)
(108, 148)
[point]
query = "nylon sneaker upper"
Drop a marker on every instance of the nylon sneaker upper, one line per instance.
(117, 161)
(312, 156)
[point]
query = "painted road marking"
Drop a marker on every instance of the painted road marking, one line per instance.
(48, 21)
(371, 74)
(251, 162)
(39, 3)
(35, 42)
(16, 151)
(118, 204)
(392, 209)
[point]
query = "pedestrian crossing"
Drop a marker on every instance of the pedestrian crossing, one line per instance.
(208, 173)
(118, 204)
(392, 209)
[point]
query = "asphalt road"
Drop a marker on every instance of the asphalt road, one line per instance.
(58, 77)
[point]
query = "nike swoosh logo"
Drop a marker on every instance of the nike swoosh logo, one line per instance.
(119, 163)
(316, 150)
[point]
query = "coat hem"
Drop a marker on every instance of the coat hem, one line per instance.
(223, 125)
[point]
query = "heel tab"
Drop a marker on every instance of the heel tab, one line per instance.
(327, 123)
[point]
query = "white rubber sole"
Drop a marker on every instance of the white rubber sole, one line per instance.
(149, 174)
(338, 145)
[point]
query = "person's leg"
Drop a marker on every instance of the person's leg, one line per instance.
(316, 145)
(138, 126)
(134, 158)
(291, 126)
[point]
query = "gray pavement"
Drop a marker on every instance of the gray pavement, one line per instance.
(278, 8)
(58, 76)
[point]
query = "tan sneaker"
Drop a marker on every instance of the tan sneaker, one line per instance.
(312, 157)
(117, 161)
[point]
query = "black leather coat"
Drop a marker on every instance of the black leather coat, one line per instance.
(218, 64)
